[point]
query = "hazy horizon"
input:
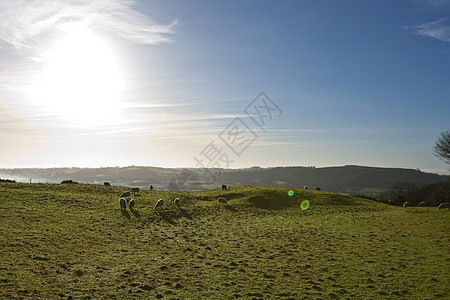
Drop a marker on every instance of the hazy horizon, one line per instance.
(231, 84)
(189, 167)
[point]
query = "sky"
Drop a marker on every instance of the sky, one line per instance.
(230, 84)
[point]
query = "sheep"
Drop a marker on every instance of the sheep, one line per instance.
(106, 183)
(125, 194)
(224, 187)
(406, 204)
(318, 188)
(123, 203)
(305, 187)
(222, 200)
(177, 201)
(444, 205)
(135, 190)
(423, 203)
(131, 203)
(159, 203)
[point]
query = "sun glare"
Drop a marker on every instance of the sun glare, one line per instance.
(80, 81)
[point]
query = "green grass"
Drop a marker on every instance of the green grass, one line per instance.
(73, 241)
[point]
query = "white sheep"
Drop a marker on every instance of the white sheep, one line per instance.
(177, 201)
(159, 203)
(123, 203)
(222, 200)
(131, 203)
(444, 205)
(305, 187)
(406, 204)
(125, 194)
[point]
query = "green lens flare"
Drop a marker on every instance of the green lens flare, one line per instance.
(291, 193)
(304, 205)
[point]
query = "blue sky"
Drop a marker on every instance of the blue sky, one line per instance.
(117, 83)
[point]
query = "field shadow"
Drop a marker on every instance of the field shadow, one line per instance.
(126, 214)
(185, 213)
(166, 217)
(230, 208)
(135, 213)
(271, 201)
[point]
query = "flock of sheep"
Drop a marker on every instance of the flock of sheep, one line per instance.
(316, 188)
(177, 201)
(423, 203)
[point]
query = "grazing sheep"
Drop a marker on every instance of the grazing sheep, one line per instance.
(444, 205)
(159, 203)
(123, 203)
(151, 187)
(305, 187)
(318, 188)
(135, 190)
(106, 183)
(423, 203)
(125, 194)
(177, 201)
(222, 200)
(131, 203)
(224, 187)
(406, 204)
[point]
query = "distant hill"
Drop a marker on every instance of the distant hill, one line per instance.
(369, 181)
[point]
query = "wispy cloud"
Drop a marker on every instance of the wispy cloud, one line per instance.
(26, 23)
(439, 29)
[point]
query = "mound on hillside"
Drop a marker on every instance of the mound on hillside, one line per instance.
(276, 198)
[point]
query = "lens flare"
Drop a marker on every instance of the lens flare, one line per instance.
(304, 205)
(291, 193)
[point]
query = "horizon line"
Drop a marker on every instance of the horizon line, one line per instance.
(192, 167)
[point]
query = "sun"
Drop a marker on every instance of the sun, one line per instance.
(80, 80)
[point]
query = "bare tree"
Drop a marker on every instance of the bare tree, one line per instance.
(442, 147)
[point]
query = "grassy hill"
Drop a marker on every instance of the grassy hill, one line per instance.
(74, 242)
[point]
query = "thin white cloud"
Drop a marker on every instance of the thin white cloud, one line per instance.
(265, 143)
(27, 23)
(221, 116)
(439, 29)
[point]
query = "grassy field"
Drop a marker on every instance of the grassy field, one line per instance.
(74, 242)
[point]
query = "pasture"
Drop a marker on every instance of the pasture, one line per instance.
(74, 242)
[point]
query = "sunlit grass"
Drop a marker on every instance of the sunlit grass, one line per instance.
(63, 241)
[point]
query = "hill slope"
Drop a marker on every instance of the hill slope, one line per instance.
(73, 241)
